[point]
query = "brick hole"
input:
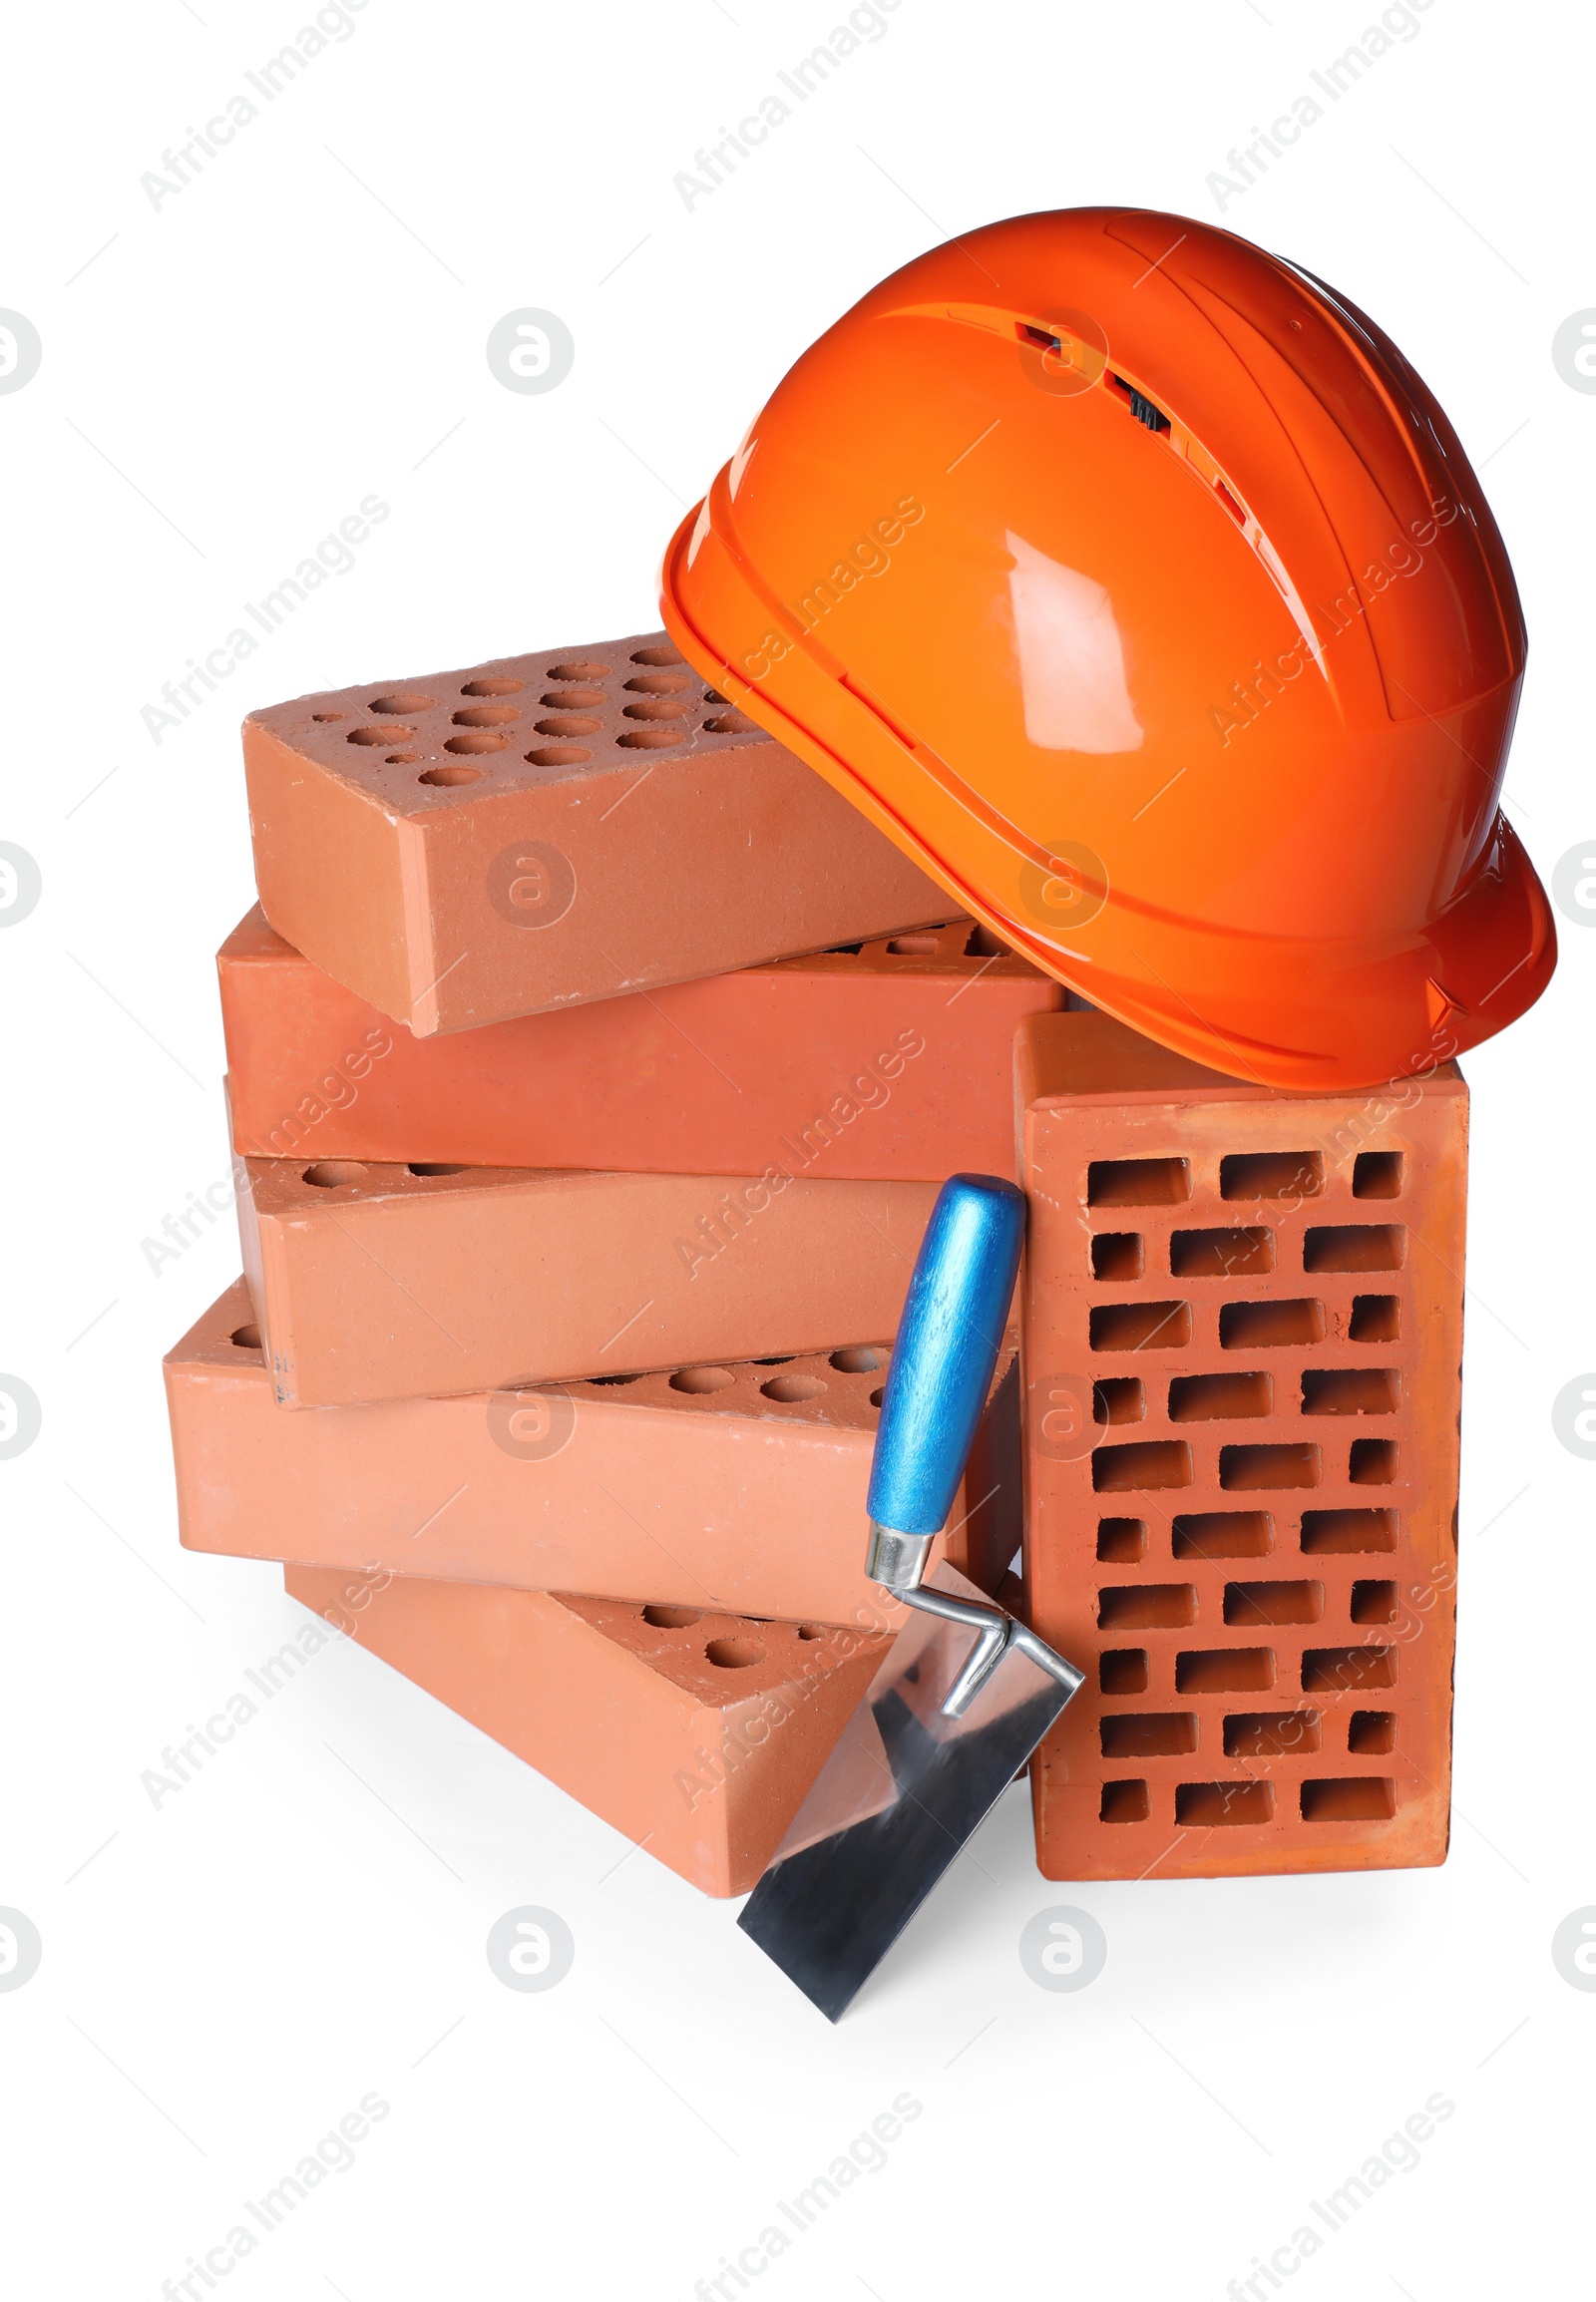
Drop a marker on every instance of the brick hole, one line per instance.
(571, 699)
(566, 755)
(1231, 1254)
(877, 1396)
(1210, 1806)
(1120, 1542)
(373, 738)
(1351, 1390)
(1219, 1397)
(861, 1362)
(246, 1337)
(672, 1618)
(1149, 1735)
(401, 759)
(1147, 1607)
(1122, 1670)
(1267, 1606)
(1124, 1802)
(1339, 1670)
(731, 723)
(564, 725)
(1370, 1732)
(1245, 1470)
(1355, 1247)
(1117, 1255)
(451, 776)
(658, 684)
(1118, 1399)
(697, 1381)
(396, 706)
(475, 740)
(578, 671)
(1375, 1318)
(655, 658)
(839, 950)
(733, 1654)
(1374, 1603)
(437, 1166)
(1271, 1733)
(1138, 1181)
(714, 695)
(1271, 1326)
(1223, 1535)
(915, 947)
(1378, 1175)
(325, 718)
(782, 1358)
(650, 738)
(492, 686)
(333, 1174)
(655, 710)
(1357, 1798)
(1144, 1465)
(1332, 1533)
(1139, 1325)
(811, 1629)
(791, 1389)
(1271, 1175)
(1224, 1670)
(609, 1379)
(983, 944)
(1372, 1463)
(484, 715)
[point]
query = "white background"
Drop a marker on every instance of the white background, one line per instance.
(225, 1978)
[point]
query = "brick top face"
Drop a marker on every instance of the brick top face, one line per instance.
(429, 744)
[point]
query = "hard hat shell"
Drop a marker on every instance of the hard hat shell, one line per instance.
(1133, 582)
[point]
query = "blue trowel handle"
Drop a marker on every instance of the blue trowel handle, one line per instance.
(942, 1364)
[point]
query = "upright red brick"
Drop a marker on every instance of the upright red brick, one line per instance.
(1241, 1348)
(552, 827)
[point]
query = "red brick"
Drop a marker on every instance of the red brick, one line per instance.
(695, 1735)
(745, 1494)
(1240, 1344)
(371, 1281)
(892, 1061)
(535, 856)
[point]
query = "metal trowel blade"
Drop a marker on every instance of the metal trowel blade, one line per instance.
(901, 1793)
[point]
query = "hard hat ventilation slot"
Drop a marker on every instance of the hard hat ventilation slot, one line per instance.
(1138, 403)
(1038, 338)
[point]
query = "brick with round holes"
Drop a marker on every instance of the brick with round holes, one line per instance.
(889, 1060)
(554, 828)
(694, 1735)
(372, 1279)
(739, 1486)
(1240, 1338)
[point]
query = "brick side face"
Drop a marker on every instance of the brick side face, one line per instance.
(1240, 1346)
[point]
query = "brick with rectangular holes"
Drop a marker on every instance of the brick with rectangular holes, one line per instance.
(377, 1280)
(1241, 1340)
(552, 828)
(694, 1733)
(739, 1486)
(893, 1059)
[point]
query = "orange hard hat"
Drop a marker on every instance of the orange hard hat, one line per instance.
(1132, 581)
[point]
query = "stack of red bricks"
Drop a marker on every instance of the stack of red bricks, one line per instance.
(592, 1070)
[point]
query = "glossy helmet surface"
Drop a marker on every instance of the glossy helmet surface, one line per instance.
(1133, 582)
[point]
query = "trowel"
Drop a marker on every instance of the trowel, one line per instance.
(966, 1693)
